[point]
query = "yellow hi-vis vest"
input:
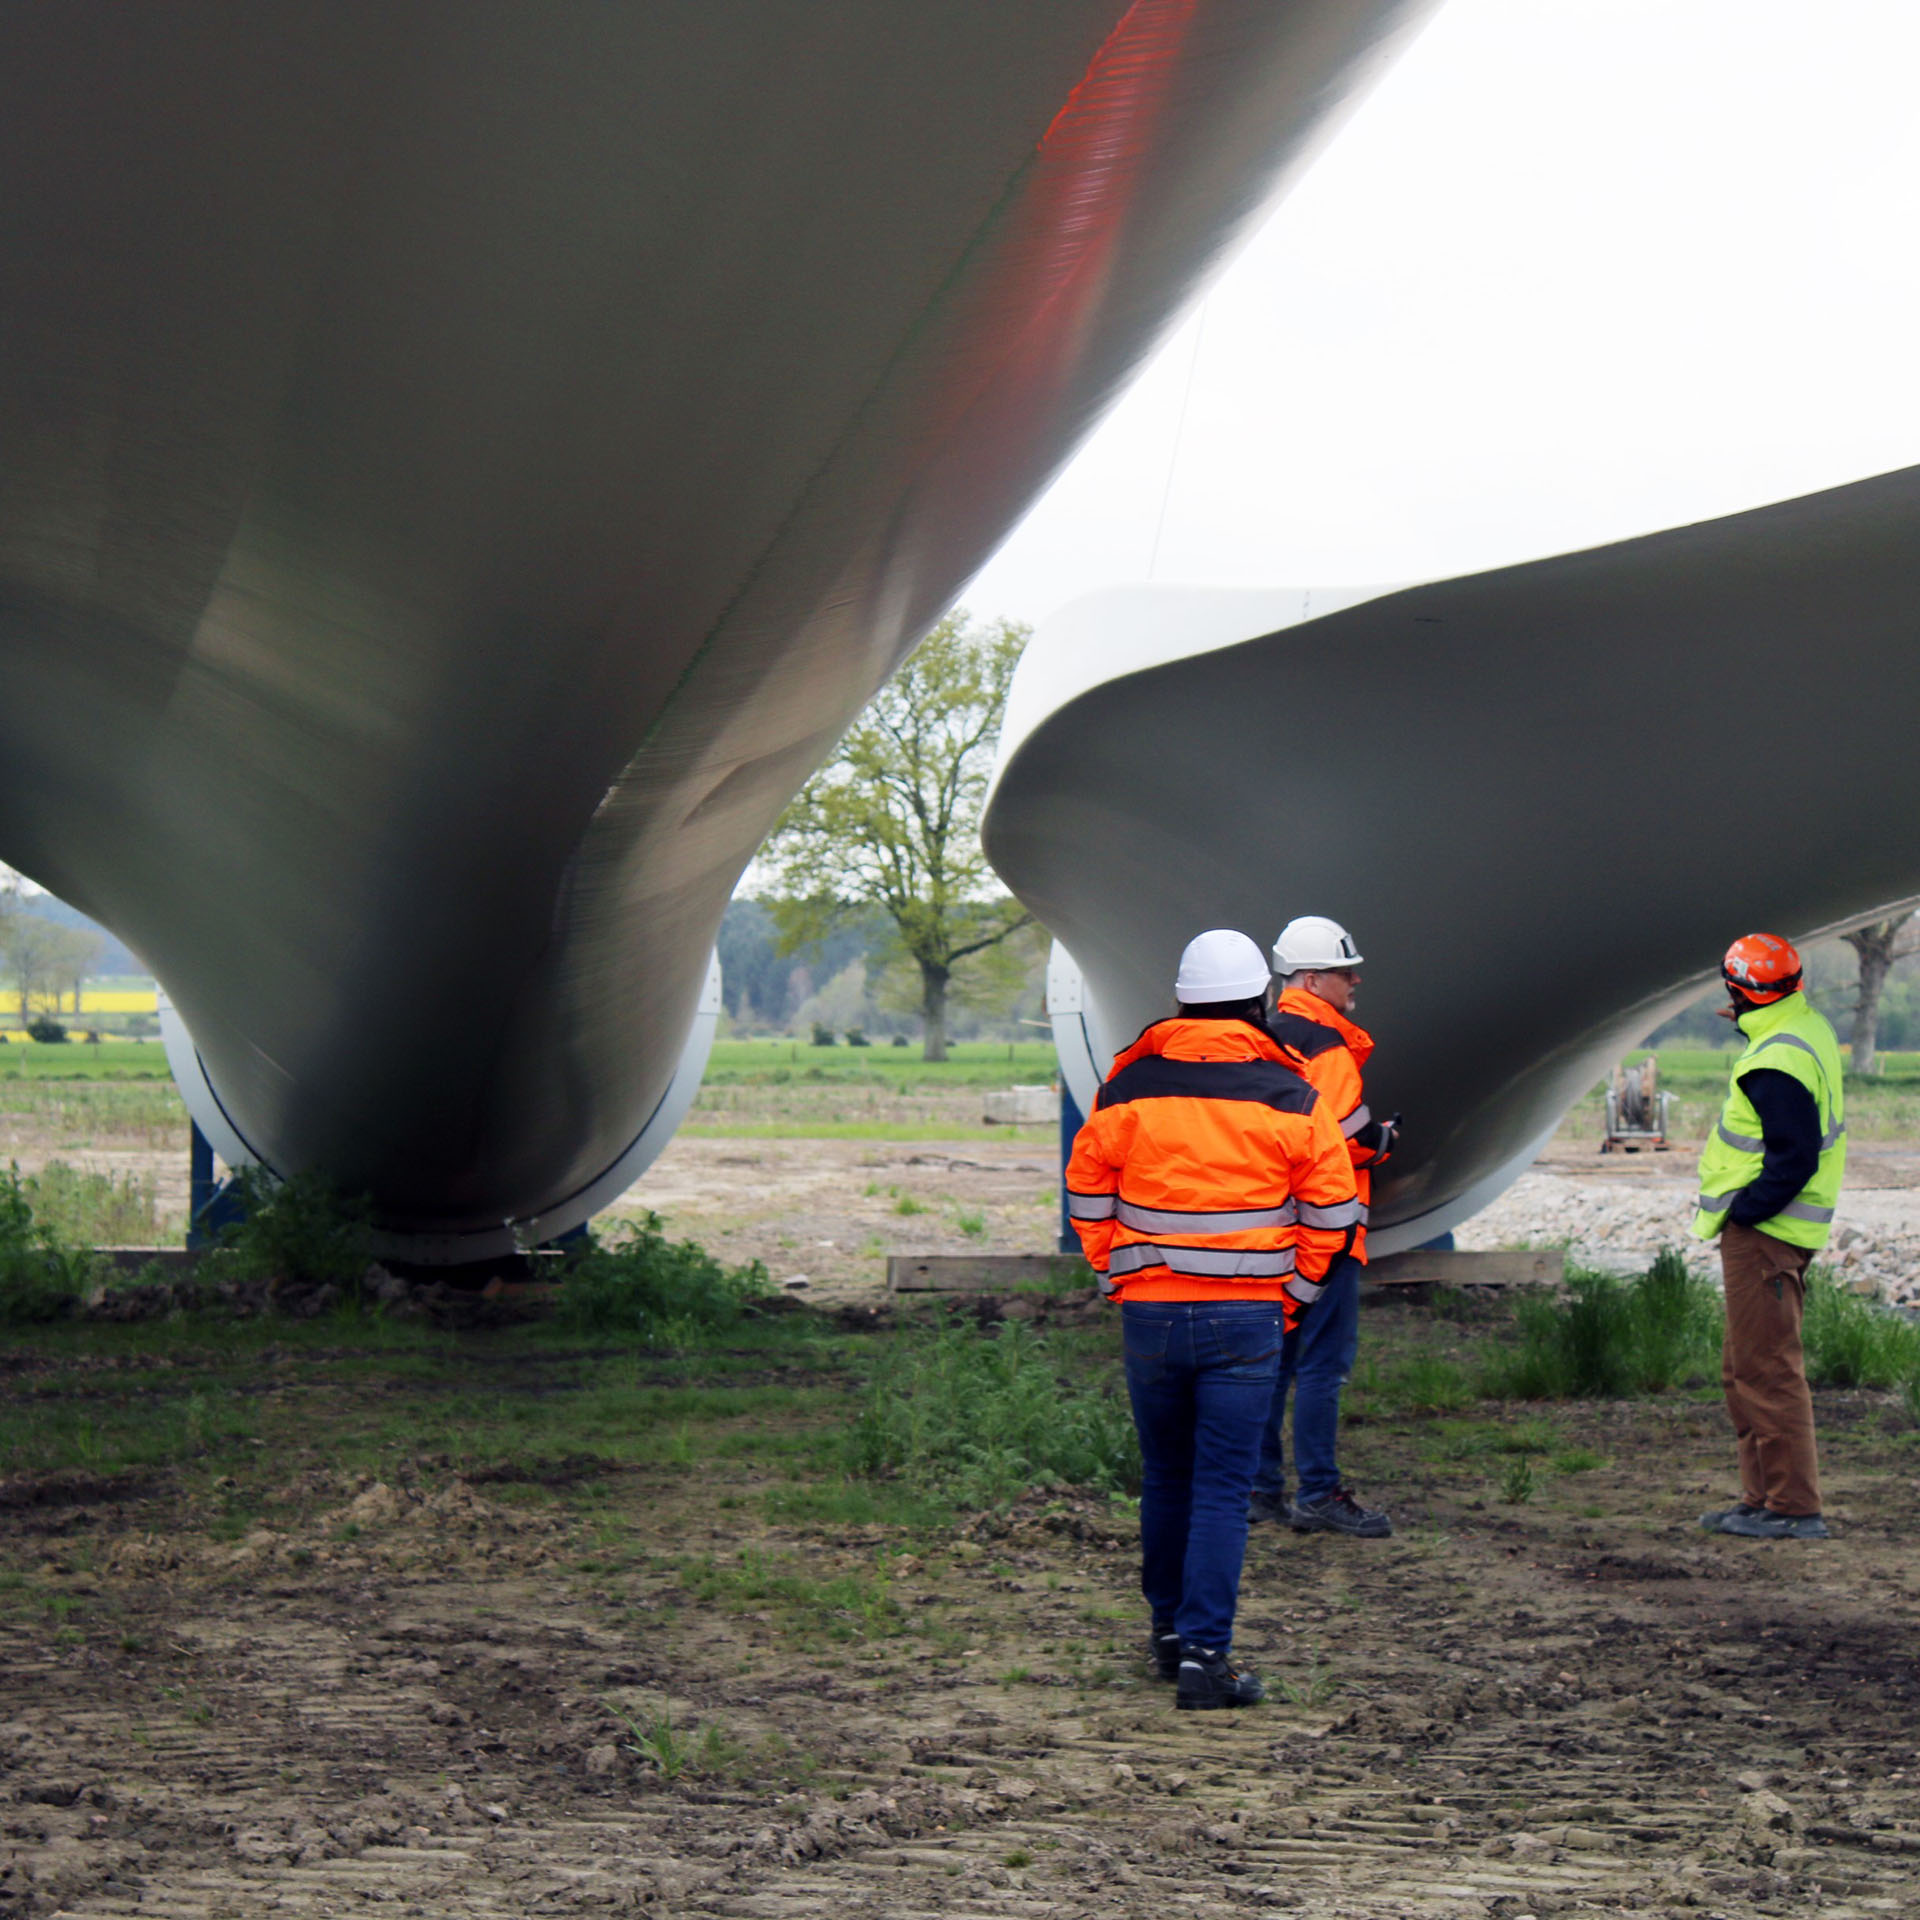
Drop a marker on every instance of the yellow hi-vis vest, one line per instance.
(1789, 1036)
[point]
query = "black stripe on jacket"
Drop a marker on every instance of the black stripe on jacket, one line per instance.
(1306, 1037)
(1158, 1078)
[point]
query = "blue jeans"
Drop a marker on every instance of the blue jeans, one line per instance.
(1200, 1375)
(1316, 1362)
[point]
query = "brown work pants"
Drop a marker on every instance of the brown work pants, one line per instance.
(1763, 1373)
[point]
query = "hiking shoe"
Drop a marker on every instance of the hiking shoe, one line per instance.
(1163, 1650)
(1775, 1526)
(1267, 1506)
(1717, 1522)
(1209, 1679)
(1339, 1512)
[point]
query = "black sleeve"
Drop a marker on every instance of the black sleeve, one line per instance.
(1790, 1126)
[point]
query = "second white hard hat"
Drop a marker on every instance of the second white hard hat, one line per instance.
(1313, 945)
(1220, 965)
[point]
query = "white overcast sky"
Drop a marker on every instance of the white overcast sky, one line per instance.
(1575, 270)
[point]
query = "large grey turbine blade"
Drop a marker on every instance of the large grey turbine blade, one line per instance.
(463, 462)
(1544, 799)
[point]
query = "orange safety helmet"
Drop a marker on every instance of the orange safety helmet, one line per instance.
(1762, 967)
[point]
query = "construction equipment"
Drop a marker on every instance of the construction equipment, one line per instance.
(1637, 1110)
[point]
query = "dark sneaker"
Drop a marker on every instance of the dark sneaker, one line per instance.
(1717, 1522)
(1209, 1679)
(1163, 1650)
(1267, 1506)
(1776, 1526)
(1339, 1512)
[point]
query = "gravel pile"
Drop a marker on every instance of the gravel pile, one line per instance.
(1621, 1225)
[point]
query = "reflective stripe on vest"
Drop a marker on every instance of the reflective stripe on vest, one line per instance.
(1203, 1263)
(1361, 1116)
(1349, 1213)
(1089, 1206)
(1158, 1220)
(1748, 1144)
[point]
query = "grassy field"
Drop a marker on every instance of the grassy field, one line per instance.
(83, 1060)
(1881, 1106)
(785, 1089)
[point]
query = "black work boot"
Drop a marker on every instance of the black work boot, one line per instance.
(1266, 1506)
(1768, 1525)
(1163, 1650)
(1742, 1509)
(1209, 1679)
(1339, 1512)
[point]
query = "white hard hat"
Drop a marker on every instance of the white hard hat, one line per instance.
(1221, 965)
(1313, 945)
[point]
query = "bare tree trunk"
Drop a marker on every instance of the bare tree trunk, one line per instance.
(1875, 944)
(933, 1011)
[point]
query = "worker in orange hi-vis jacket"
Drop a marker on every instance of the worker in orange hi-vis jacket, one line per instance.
(1317, 968)
(1212, 1191)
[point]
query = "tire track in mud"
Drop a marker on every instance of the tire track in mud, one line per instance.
(1530, 1717)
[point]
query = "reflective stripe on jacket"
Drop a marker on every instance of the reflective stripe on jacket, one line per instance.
(1332, 1051)
(1790, 1036)
(1210, 1170)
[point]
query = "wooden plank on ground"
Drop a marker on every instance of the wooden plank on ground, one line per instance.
(1459, 1268)
(986, 1272)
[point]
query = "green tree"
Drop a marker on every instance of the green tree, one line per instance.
(893, 820)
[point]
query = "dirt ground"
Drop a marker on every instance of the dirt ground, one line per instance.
(672, 1678)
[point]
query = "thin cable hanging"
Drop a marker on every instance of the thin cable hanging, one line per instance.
(1179, 434)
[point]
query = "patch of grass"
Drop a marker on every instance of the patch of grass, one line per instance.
(1517, 1483)
(1854, 1342)
(653, 1739)
(41, 1277)
(1314, 1688)
(1606, 1337)
(907, 1205)
(845, 1606)
(1576, 1460)
(971, 1222)
(670, 1293)
(854, 1503)
(1421, 1383)
(94, 1209)
(301, 1233)
(980, 1418)
(1018, 1857)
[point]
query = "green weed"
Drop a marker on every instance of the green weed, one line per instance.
(970, 1222)
(1854, 1342)
(41, 1277)
(1608, 1337)
(299, 1232)
(1516, 1483)
(1314, 1688)
(1576, 1460)
(908, 1205)
(670, 1293)
(979, 1419)
(653, 1739)
(94, 1209)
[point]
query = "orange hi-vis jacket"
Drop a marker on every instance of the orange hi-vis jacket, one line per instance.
(1210, 1170)
(1332, 1051)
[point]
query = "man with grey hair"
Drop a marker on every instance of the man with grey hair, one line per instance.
(1318, 970)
